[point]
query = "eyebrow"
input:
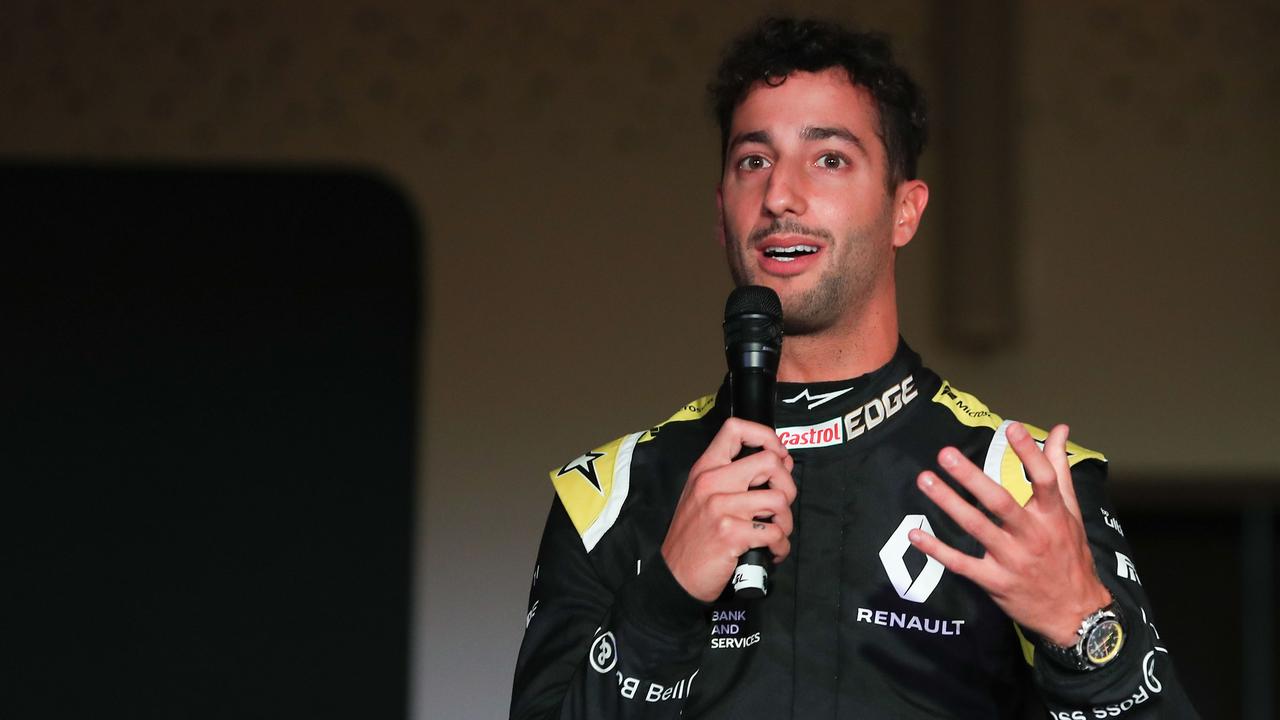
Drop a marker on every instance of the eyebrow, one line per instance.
(755, 136)
(822, 133)
(808, 133)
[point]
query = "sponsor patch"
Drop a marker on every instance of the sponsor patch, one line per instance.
(730, 631)
(691, 411)
(915, 589)
(869, 416)
(1111, 521)
(816, 400)
(812, 436)
(630, 688)
(1125, 568)
(604, 653)
(968, 409)
(584, 465)
(907, 621)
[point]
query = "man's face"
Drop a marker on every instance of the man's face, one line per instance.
(803, 199)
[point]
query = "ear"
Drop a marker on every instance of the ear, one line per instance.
(720, 214)
(908, 204)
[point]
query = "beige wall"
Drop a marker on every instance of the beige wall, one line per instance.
(563, 162)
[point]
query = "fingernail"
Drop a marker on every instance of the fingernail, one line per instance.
(914, 535)
(926, 480)
(949, 457)
(1016, 431)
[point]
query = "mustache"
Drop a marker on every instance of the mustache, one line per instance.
(787, 226)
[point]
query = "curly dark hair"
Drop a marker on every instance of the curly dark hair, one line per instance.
(778, 46)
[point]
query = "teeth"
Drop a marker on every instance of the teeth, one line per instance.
(778, 253)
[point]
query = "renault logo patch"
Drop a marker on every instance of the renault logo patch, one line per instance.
(915, 589)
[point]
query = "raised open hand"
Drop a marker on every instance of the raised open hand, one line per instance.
(1037, 566)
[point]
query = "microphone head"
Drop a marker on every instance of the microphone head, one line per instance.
(753, 300)
(753, 328)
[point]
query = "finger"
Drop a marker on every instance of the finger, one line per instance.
(734, 435)
(741, 535)
(760, 470)
(723, 448)
(772, 537)
(753, 470)
(731, 438)
(1040, 471)
(952, 559)
(769, 504)
(987, 491)
(768, 470)
(1055, 448)
(782, 518)
(784, 483)
(970, 519)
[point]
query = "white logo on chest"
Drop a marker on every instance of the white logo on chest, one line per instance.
(915, 589)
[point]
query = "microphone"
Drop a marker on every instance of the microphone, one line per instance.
(752, 346)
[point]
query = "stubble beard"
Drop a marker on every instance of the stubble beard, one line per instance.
(857, 266)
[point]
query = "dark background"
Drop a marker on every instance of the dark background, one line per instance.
(1209, 565)
(210, 392)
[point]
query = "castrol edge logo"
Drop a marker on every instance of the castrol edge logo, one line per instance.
(812, 436)
(861, 420)
(869, 416)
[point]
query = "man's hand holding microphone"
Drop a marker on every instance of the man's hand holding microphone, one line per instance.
(734, 515)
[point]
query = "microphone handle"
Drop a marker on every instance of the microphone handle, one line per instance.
(752, 393)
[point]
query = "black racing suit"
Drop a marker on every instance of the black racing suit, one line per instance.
(857, 623)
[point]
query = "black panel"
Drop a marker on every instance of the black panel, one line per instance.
(209, 390)
(1192, 560)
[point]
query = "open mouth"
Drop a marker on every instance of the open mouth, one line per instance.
(788, 253)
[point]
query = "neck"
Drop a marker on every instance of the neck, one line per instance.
(859, 345)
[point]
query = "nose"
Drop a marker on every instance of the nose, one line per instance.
(785, 191)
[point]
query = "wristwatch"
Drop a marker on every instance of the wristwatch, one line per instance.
(1100, 637)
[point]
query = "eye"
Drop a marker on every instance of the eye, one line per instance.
(832, 161)
(753, 162)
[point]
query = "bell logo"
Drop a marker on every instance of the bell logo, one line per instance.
(915, 589)
(604, 653)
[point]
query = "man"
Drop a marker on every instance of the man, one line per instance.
(932, 560)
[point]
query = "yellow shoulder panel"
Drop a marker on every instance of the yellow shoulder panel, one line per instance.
(1028, 650)
(586, 483)
(1002, 463)
(968, 409)
(593, 486)
(691, 411)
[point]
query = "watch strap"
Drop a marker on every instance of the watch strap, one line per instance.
(1075, 656)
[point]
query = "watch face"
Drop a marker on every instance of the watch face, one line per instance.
(1104, 642)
